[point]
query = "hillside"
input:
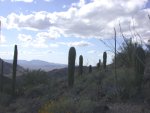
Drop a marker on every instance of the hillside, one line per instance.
(38, 64)
(8, 69)
(42, 92)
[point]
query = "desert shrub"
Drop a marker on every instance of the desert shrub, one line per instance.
(63, 105)
(126, 83)
(86, 106)
(69, 105)
(126, 87)
(5, 99)
(35, 77)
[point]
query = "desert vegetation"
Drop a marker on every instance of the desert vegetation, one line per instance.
(119, 87)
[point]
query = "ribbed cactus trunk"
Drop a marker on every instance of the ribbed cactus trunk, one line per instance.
(104, 60)
(1, 76)
(139, 64)
(14, 70)
(71, 66)
(80, 65)
(90, 69)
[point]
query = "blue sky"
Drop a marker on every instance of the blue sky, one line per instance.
(46, 29)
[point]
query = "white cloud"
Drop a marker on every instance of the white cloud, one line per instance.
(28, 41)
(28, 1)
(79, 4)
(24, 38)
(91, 51)
(54, 45)
(76, 44)
(86, 20)
(51, 34)
(2, 39)
(33, 21)
(48, 0)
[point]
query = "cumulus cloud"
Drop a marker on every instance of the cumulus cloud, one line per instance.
(24, 38)
(92, 51)
(51, 34)
(95, 19)
(76, 44)
(2, 39)
(28, 41)
(34, 21)
(54, 45)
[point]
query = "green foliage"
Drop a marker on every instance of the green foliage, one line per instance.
(104, 60)
(126, 56)
(34, 78)
(90, 68)
(139, 60)
(14, 70)
(5, 99)
(80, 65)
(69, 105)
(139, 64)
(1, 76)
(126, 84)
(71, 66)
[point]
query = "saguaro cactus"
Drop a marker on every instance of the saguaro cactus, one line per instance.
(71, 66)
(139, 64)
(99, 64)
(90, 68)
(14, 70)
(1, 76)
(80, 65)
(104, 60)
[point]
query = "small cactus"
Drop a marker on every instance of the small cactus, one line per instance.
(1, 76)
(71, 66)
(104, 60)
(90, 68)
(14, 70)
(80, 65)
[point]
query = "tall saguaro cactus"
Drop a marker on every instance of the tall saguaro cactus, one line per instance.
(71, 66)
(90, 68)
(1, 76)
(80, 65)
(104, 60)
(14, 70)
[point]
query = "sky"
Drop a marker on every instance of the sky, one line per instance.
(46, 29)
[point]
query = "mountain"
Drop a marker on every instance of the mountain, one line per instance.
(8, 69)
(38, 64)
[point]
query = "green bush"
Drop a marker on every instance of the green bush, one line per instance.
(4, 99)
(126, 84)
(34, 78)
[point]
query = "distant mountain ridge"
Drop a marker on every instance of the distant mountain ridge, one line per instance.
(38, 64)
(8, 68)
